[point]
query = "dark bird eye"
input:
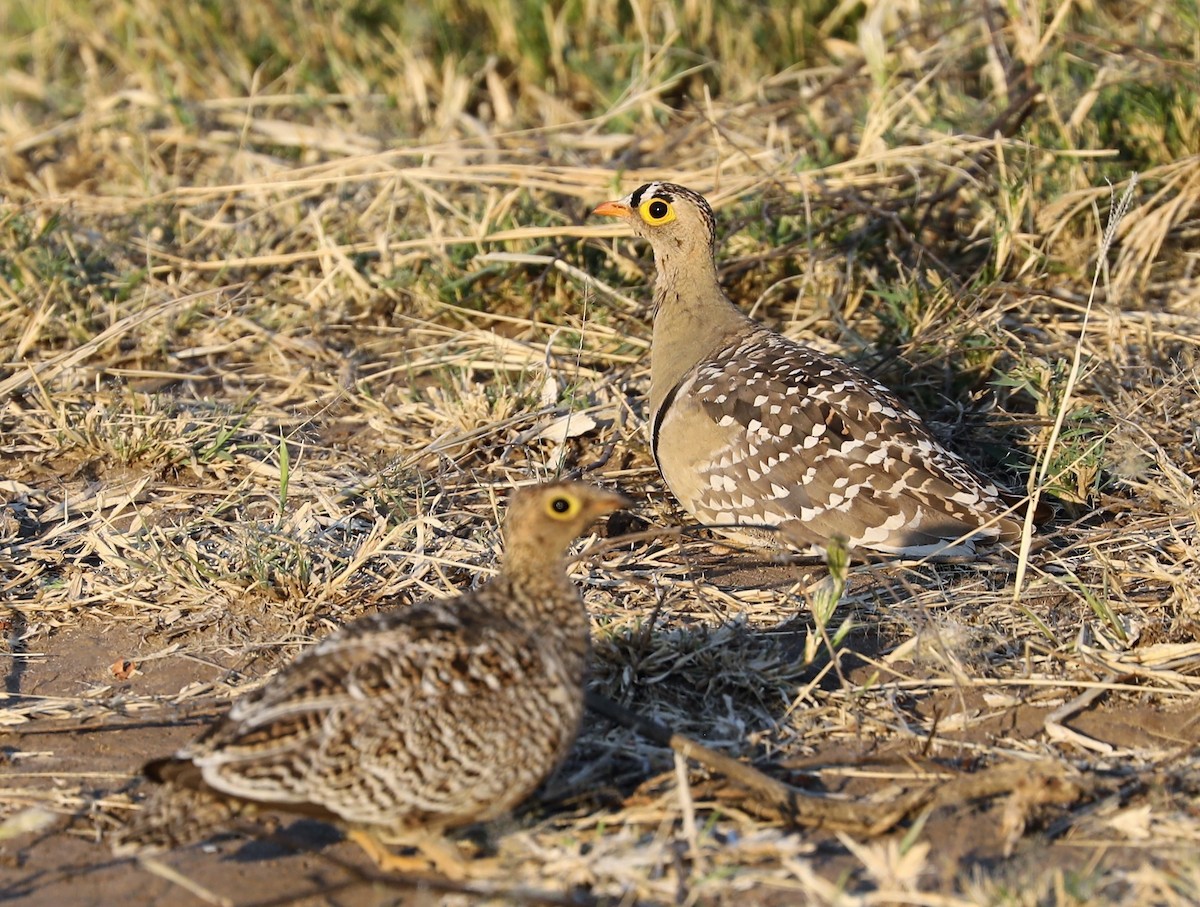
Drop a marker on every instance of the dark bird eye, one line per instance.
(560, 505)
(658, 209)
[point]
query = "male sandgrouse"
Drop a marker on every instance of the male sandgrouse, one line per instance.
(751, 428)
(411, 722)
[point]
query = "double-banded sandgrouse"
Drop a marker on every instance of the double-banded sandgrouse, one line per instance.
(749, 427)
(411, 722)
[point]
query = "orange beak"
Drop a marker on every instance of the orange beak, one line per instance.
(613, 209)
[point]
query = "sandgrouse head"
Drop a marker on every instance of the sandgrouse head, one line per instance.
(673, 218)
(543, 520)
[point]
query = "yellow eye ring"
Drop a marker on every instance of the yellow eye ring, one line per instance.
(655, 211)
(562, 507)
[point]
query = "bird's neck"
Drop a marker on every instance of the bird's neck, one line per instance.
(540, 592)
(692, 319)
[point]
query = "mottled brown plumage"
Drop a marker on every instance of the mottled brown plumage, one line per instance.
(751, 428)
(410, 722)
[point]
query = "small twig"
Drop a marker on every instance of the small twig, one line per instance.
(687, 806)
(794, 805)
(1001, 779)
(163, 871)
(1058, 732)
(95, 725)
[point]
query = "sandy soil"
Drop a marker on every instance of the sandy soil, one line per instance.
(65, 864)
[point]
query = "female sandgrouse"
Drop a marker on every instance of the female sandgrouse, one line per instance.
(748, 427)
(409, 722)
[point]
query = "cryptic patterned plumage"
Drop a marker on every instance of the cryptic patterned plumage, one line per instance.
(750, 427)
(409, 722)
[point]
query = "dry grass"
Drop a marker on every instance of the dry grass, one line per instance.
(289, 302)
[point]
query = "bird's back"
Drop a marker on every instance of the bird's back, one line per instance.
(767, 431)
(404, 715)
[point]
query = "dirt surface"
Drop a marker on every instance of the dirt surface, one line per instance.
(66, 864)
